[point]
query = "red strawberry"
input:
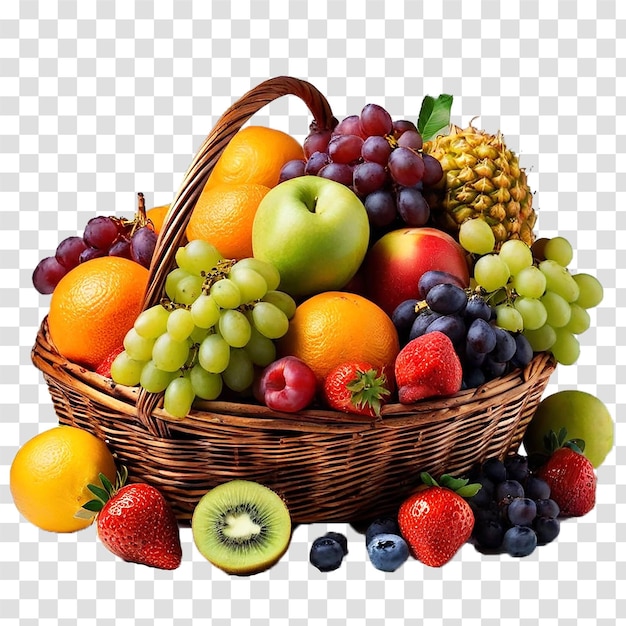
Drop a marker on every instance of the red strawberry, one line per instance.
(104, 369)
(136, 523)
(571, 477)
(356, 387)
(428, 366)
(437, 520)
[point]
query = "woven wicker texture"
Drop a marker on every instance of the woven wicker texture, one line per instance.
(327, 465)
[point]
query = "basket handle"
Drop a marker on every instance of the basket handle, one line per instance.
(173, 230)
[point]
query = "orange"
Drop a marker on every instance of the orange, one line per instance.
(94, 306)
(333, 327)
(50, 473)
(256, 154)
(156, 215)
(223, 216)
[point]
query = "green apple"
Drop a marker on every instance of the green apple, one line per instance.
(314, 231)
(583, 416)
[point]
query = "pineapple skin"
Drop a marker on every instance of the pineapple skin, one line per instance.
(482, 179)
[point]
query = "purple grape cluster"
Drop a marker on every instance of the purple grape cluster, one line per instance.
(486, 351)
(102, 236)
(379, 158)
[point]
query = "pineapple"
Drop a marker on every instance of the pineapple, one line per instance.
(482, 179)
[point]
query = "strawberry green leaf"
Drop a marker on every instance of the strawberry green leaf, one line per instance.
(434, 115)
(427, 479)
(94, 506)
(99, 492)
(470, 490)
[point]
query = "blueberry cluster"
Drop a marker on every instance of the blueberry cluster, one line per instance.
(513, 510)
(486, 350)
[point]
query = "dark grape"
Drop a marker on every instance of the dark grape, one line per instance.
(91, 253)
(292, 169)
(142, 245)
(481, 336)
(450, 325)
(493, 368)
(433, 172)
(375, 120)
(406, 166)
(381, 208)
(100, 232)
(523, 351)
(339, 172)
(368, 177)
(316, 142)
(436, 277)
(121, 248)
(472, 358)
(412, 207)
(477, 308)
(401, 126)
(473, 378)
(350, 125)
(316, 162)
(404, 315)
(424, 319)
(505, 346)
(345, 148)
(410, 139)
(68, 251)
(376, 149)
(446, 298)
(47, 275)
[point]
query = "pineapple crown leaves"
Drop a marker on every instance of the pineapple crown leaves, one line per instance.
(368, 390)
(434, 115)
(555, 440)
(461, 486)
(103, 493)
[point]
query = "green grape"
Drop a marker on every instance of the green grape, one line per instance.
(198, 256)
(565, 348)
(172, 280)
(188, 289)
(559, 280)
(260, 349)
(267, 270)
(205, 385)
(542, 338)
(198, 334)
(579, 320)
(269, 320)
(517, 255)
(180, 324)
(534, 314)
(226, 294)
(126, 371)
(154, 379)
(152, 322)
(234, 328)
(214, 354)
(560, 250)
(491, 272)
(239, 374)
(509, 318)
(204, 311)
(252, 285)
(168, 354)
(557, 308)
(530, 282)
(137, 347)
(283, 301)
(476, 236)
(591, 291)
(178, 397)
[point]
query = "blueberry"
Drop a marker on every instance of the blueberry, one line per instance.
(380, 526)
(482, 498)
(488, 534)
(547, 508)
(519, 541)
(342, 540)
(536, 488)
(547, 529)
(509, 489)
(516, 467)
(494, 469)
(521, 511)
(326, 554)
(387, 552)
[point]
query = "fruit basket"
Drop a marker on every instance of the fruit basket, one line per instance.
(327, 465)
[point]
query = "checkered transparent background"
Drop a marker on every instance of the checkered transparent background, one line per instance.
(101, 100)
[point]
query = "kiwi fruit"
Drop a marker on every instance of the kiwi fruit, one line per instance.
(241, 526)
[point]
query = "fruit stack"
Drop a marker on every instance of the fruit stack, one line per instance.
(371, 304)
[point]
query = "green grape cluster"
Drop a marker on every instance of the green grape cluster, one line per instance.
(533, 290)
(217, 321)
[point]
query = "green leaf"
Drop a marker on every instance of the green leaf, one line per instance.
(94, 506)
(434, 115)
(470, 490)
(99, 492)
(453, 483)
(427, 479)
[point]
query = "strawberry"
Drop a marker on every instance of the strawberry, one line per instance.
(427, 366)
(104, 369)
(136, 523)
(570, 475)
(437, 520)
(356, 387)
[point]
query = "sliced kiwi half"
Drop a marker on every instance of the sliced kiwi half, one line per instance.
(241, 526)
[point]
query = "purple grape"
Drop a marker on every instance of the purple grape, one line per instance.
(100, 232)
(316, 142)
(433, 172)
(477, 308)
(339, 172)
(401, 126)
(316, 162)
(436, 277)
(424, 319)
(481, 336)
(381, 208)
(446, 299)
(91, 253)
(368, 177)
(412, 206)
(47, 274)
(410, 139)
(292, 169)
(450, 325)
(523, 352)
(505, 346)
(121, 248)
(406, 166)
(142, 245)
(350, 125)
(345, 148)
(68, 251)
(375, 120)
(403, 316)
(376, 149)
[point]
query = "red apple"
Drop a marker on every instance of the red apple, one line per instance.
(395, 263)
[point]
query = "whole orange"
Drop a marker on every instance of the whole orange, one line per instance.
(94, 306)
(223, 216)
(156, 215)
(333, 327)
(256, 154)
(50, 473)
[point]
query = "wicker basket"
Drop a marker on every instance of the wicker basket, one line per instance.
(328, 466)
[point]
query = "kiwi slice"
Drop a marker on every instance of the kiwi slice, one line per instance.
(241, 526)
